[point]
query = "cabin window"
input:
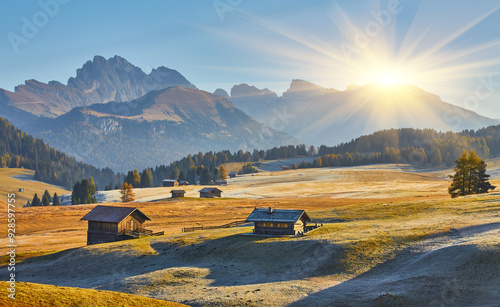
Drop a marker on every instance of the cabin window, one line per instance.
(268, 224)
(282, 225)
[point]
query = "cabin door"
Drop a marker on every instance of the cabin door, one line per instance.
(131, 224)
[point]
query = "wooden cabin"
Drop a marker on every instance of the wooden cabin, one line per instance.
(210, 192)
(221, 182)
(285, 168)
(233, 174)
(279, 222)
(21, 190)
(170, 183)
(177, 193)
(109, 223)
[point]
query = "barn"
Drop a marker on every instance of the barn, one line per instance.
(233, 174)
(177, 193)
(210, 192)
(170, 183)
(272, 221)
(109, 223)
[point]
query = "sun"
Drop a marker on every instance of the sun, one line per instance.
(388, 76)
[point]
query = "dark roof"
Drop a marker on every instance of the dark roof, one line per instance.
(208, 190)
(112, 214)
(177, 191)
(290, 216)
(220, 181)
(169, 180)
(233, 173)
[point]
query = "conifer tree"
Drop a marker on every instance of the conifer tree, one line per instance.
(36, 201)
(55, 200)
(46, 198)
(470, 176)
(182, 176)
(205, 177)
(147, 178)
(483, 184)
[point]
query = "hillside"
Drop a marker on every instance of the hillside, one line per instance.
(13, 179)
(158, 128)
(46, 295)
(406, 252)
(19, 149)
(317, 115)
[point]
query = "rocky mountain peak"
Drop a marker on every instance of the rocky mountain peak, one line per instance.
(221, 92)
(245, 90)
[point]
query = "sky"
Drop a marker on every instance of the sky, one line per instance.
(449, 48)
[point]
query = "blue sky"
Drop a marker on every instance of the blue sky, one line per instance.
(450, 48)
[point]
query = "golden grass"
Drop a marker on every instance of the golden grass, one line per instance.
(30, 294)
(10, 182)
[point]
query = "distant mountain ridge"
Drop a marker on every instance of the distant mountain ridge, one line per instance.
(318, 115)
(157, 128)
(98, 81)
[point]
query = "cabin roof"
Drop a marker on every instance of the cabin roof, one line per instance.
(169, 180)
(289, 216)
(177, 191)
(233, 173)
(112, 214)
(208, 190)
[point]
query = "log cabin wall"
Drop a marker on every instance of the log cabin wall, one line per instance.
(105, 227)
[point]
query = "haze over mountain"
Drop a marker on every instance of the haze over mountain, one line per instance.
(114, 115)
(317, 115)
(98, 81)
(157, 128)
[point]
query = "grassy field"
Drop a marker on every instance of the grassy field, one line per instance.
(28, 294)
(395, 239)
(361, 249)
(12, 179)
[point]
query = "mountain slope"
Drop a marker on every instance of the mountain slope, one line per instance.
(98, 81)
(19, 149)
(157, 128)
(325, 116)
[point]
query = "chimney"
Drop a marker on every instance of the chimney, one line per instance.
(270, 210)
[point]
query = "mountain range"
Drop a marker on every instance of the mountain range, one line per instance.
(318, 115)
(112, 114)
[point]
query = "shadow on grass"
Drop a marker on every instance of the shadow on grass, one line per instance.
(441, 275)
(244, 260)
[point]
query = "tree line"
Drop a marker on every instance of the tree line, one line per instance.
(46, 200)
(18, 149)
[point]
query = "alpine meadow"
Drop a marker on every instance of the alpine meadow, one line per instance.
(250, 153)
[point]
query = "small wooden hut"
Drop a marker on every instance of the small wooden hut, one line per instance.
(109, 223)
(210, 192)
(170, 183)
(233, 174)
(221, 182)
(279, 222)
(177, 193)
